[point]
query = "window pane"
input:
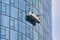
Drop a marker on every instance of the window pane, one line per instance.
(23, 37)
(16, 25)
(3, 8)
(35, 35)
(3, 32)
(21, 27)
(27, 38)
(12, 1)
(5, 20)
(7, 9)
(24, 16)
(14, 12)
(36, 27)
(20, 37)
(27, 31)
(37, 4)
(31, 34)
(34, 2)
(13, 35)
(5, 1)
(21, 15)
(12, 23)
(16, 3)
(40, 30)
(22, 7)
(30, 1)
(7, 33)
(3, 39)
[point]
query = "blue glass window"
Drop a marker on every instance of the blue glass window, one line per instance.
(30, 1)
(5, 1)
(34, 2)
(12, 23)
(35, 11)
(22, 7)
(24, 37)
(16, 25)
(7, 9)
(7, 33)
(3, 8)
(20, 37)
(21, 15)
(40, 29)
(40, 37)
(40, 7)
(35, 35)
(16, 3)
(3, 32)
(24, 15)
(27, 8)
(37, 4)
(0, 7)
(12, 2)
(21, 27)
(13, 35)
(5, 20)
(27, 38)
(3, 39)
(14, 12)
(36, 27)
(31, 33)
(27, 31)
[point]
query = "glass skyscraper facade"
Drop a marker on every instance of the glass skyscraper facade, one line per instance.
(13, 23)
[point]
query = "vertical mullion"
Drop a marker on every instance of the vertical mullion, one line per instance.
(9, 16)
(0, 17)
(14, 2)
(18, 20)
(5, 9)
